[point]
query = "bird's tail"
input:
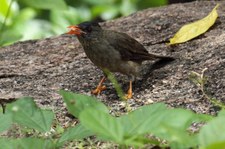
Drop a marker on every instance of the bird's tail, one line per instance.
(163, 60)
(166, 59)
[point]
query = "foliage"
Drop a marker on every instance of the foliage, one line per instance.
(170, 126)
(26, 113)
(26, 143)
(30, 19)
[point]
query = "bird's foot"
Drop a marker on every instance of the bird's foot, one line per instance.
(129, 92)
(98, 89)
(127, 96)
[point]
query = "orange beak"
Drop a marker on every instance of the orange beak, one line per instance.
(74, 29)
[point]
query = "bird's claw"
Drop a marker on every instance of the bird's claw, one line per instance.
(127, 96)
(129, 92)
(98, 90)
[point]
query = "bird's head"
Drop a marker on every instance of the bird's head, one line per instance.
(84, 28)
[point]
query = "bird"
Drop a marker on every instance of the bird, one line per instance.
(112, 51)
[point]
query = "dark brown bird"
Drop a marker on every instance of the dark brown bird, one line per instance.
(113, 51)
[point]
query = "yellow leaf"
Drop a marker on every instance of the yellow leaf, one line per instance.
(192, 30)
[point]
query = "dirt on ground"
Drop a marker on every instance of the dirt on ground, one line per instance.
(40, 68)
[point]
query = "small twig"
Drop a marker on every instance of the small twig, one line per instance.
(202, 84)
(200, 80)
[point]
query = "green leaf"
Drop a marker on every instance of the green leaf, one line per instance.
(167, 124)
(202, 118)
(179, 118)
(127, 7)
(146, 4)
(99, 2)
(9, 36)
(4, 7)
(173, 128)
(26, 113)
(47, 4)
(221, 113)
(212, 134)
(217, 145)
(25, 15)
(26, 143)
(77, 103)
(156, 119)
(60, 19)
(74, 133)
(192, 30)
(125, 130)
(5, 122)
(34, 143)
(102, 124)
(176, 137)
(144, 119)
(105, 11)
(7, 143)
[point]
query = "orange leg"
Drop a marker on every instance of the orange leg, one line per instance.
(129, 92)
(100, 87)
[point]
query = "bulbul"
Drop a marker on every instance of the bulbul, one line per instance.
(112, 51)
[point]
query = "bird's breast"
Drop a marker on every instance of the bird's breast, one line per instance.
(101, 53)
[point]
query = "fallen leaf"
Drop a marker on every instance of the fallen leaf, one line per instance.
(192, 30)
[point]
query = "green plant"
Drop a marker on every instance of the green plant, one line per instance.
(115, 83)
(20, 19)
(32, 19)
(134, 129)
(200, 80)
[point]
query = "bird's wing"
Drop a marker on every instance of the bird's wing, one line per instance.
(128, 47)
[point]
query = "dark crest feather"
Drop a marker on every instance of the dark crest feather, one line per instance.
(88, 24)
